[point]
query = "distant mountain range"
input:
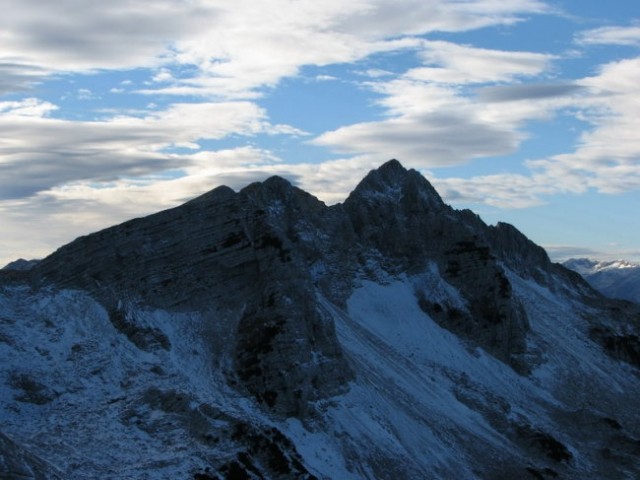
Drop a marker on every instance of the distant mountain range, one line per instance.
(262, 334)
(615, 279)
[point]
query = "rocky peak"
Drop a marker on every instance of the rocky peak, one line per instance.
(281, 201)
(20, 265)
(273, 187)
(392, 182)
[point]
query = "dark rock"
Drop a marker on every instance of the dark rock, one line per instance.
(625, 347)
(21, 265)
(31, 391)
(544, 443)
(18, 463)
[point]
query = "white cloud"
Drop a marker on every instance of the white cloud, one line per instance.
(234, 46)
(39, 153)
(434, 122)
(29, 107)
(606, 158)
(380, 18)
(611, 36)
(450, 63)
(74, 35)
(86, 94)
(502, 190)
(433, 140)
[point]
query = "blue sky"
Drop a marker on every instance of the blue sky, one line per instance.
(526, 111)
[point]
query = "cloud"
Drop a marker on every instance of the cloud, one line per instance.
(560, 253)
(432, 140)
(267, 45)
(38, 153)
(616, 35)
(73, 35)
(606, 158)
(234, 47)
(29, 107)
(44, 38)
(16, 77)
(501, 190)
(451, 63)
(512, 93)
(433, 122)
(382, 19)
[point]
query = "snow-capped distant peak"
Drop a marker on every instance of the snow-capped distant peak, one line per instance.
(615, 278)
(617, 264)
(587, 266)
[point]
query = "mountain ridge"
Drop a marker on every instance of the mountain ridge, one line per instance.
(272, 336)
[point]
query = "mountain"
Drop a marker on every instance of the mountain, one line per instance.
(262, 334)
(21, 264)
(615, 279)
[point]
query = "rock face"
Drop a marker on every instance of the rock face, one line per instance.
(398, 213)
(228, 250)
(263, 334)
(17, 463)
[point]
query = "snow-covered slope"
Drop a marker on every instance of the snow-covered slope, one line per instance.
(615, 279)
(423, 404)
(332, 353)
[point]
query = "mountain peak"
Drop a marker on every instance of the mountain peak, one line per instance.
(275, 184)
(392, 181)
(392, 167)
(391, 172)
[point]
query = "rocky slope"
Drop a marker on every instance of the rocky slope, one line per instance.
(262, 334)
(615, 279)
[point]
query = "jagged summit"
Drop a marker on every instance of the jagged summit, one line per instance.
(276, 184)
(391, 172)
(393, 182)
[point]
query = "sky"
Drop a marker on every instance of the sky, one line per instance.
(525, 111)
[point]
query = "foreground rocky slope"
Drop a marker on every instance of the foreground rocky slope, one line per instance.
(262, 334)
